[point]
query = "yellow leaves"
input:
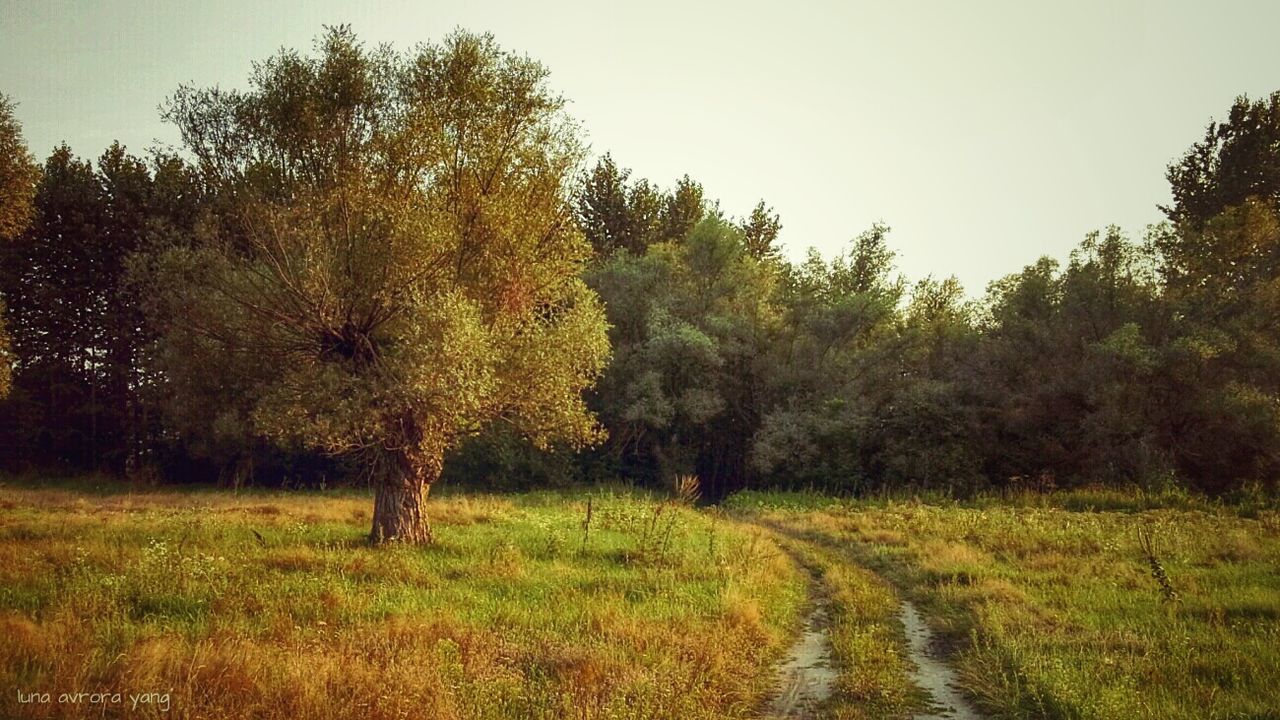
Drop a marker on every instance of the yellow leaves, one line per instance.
(18, 175)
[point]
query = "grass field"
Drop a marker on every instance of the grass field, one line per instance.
(1051, 605)
(201, 603)
(269, 605)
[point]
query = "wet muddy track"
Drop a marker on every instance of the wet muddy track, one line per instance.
(807, 676)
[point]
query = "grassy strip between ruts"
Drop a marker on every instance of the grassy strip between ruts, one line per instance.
(867, 641)
(269, 605)
(1057, 613)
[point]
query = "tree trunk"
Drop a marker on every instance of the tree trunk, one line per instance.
(399, 503)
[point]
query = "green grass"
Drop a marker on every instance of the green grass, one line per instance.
(867, 643)
(264, 604)
(270, 605)
(1051, 605)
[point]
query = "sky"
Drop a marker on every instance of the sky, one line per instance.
(985, 134)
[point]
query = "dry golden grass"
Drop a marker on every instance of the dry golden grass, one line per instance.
(269, 605)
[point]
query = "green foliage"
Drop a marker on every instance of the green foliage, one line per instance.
(386, 255)
(760, 232)
(615, 213)
(388, 264)
(868, 391)
(1236, 161)
(1222, 284)
(689, 319)
(682, 210)
(618, 213)
(500, 459)
(1068, 371)
(1220, 267)
(77, 326)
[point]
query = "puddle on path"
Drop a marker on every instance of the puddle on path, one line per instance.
(806, 679)
(935, 676)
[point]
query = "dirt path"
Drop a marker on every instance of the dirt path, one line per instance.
(933, 674)
(806, 679)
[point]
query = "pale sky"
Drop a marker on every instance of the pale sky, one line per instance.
(984, 133)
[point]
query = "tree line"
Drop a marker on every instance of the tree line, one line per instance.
(386, 265)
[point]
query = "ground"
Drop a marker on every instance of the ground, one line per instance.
(269, 605)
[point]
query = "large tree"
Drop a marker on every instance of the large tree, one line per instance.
(682, 210)
(392, 261)
(833, 368)
(1222, 286)
(1067, 376)
(1220, 263)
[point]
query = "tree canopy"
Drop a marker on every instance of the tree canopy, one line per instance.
(380, 263)
(390, 262)
(1236, 160)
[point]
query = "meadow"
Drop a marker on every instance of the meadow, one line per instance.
(1089, 605)
(271, 605)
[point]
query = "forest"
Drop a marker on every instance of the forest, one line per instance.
(1146, 362)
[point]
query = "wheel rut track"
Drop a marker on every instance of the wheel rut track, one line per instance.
(807, 677)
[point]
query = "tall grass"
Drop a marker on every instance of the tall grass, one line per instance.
(867, 642)
(270, 605)
(1059, 611)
